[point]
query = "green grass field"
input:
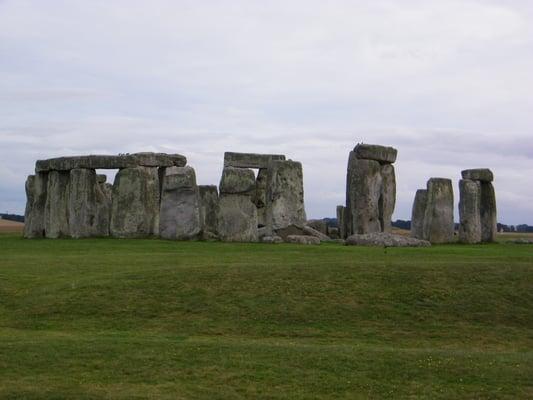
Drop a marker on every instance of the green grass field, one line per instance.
(136, 319)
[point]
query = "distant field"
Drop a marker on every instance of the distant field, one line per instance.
(153, 319)
(10, 226)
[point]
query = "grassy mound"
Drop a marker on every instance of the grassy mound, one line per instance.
(125, 319)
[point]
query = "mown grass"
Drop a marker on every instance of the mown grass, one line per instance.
(122, 319)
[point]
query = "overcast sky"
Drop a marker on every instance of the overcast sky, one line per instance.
(448, 83)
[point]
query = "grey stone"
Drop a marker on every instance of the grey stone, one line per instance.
(438, 218)
(101, 178)
(339, 241)
(34, 224)
(208, 210)
(341, 221)
(387, 200)
(237, 181)
(469, 211)
(290, 230)
(300, 239)
(237, 218)
(104, 202)
(180, 205)
(285, 195)
(111, 161)
(384, 239)
(313, 232)
(478, 174)
(82, 203)
(259, 197)
(488, 213)
(56, 210)
(418, 214)
(271, 239)
(375, 152)
(318, 224)
(521, 241)
(363, 191)
(249, 160)
(135, 206)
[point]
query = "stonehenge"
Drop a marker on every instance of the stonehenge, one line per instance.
(370, 191)
(260, 197)
(477, 206)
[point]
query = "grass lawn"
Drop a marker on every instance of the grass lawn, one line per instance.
(136, 319)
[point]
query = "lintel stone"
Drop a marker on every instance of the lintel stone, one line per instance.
(249, 160)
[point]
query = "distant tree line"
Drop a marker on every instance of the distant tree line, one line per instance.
(12, 217)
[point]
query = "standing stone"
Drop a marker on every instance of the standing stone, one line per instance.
(285, 195)
(341, 221)
(387, 200)
(57, 200)
(488, 212)
(82, 203)
(259, 198)
(36, 186)
(104, 202)
(135, 204)
(438, 219)
(418, 214)
(237, 218)
(180, 205)
(363, 191)
(237, 214)
(208, 210)
(469, 211)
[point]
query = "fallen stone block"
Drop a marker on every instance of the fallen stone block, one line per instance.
(313, 232)
(384, 239)
(299, 239)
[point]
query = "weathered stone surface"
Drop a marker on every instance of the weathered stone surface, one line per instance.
(208, 210)
(36, 186)
(478, 174)
(384, 239)
(438, 218)
(82, 203)
(300, 239)
(249, 160)
(383, 154)
(237, 181)
(488, 213)
(180, 205)
(56, 210)
(103, 195)
(285, 195)
(341, 221)
(110, 161)
(271, 239)
(101, 178)
(135, 207)
(318, 224)
(387, 201)
(313, 232)
(363, 191)
(418, 214)
(290, 230)
(237, 218)
(521, 241)
(469, 211)
(259, 197)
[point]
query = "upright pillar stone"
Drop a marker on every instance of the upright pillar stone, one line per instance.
(418, 214)
(104, 201)
(57, 201)
(285, 195)
(237, 215)
(135, 204)
(82, 203)
(341, 221)
(370, 189)
(34, 223)
(438, 218)
(180, 205)
(208, 210)
(469, 211)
